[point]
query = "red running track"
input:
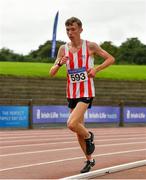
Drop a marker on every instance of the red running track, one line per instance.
(55, 153)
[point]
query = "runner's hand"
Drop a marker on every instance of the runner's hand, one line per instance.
(91, 72)
(63, 60)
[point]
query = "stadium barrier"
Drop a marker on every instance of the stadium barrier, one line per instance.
(26, 113)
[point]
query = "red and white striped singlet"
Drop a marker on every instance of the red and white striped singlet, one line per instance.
(78, 83)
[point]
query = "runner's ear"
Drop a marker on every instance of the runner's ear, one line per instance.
(81, 30)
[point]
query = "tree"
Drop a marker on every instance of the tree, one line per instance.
(44, 51)
(132, 51)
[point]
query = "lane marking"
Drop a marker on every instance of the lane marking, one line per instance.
(64, 133)
(70, 159)
(65, 149)
(66, 142)
(107, 170)
(38, 139)
(34, 136)
(73, 137)
(65, 137)
(64, 130)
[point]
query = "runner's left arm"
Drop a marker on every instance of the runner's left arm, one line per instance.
(108, 59)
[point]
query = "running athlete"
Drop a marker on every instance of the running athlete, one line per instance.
(78, 56)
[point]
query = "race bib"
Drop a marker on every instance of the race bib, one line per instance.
(78, 75)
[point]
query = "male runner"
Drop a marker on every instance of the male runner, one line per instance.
(78, 55)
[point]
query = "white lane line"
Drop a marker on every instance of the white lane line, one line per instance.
(67, 142)
(34, 136)
(39, 139)
(73, 137)
(71, 148)
(107, 170)
(28, 134)
(70, 159)
(51, 130)
(25, 133)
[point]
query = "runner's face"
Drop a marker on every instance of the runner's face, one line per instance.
(73, 31)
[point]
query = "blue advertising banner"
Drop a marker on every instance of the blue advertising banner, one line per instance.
(14, 116)
(103, 114)
(50, 114)
(53, 114)
(54, 35)
(135, 114)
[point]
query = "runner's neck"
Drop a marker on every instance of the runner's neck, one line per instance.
(76, 44)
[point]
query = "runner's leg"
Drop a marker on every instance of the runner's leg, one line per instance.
(77, 125)
(74, 121)
(74, 124)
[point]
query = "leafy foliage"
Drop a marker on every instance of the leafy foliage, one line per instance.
(132, 51)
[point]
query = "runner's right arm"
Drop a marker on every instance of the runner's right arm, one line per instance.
(60, 60)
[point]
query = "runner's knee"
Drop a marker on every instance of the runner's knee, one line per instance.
(72, 125)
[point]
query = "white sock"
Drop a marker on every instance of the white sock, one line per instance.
(91, 160)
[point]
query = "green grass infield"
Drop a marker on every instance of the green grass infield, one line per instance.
(121, 72)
